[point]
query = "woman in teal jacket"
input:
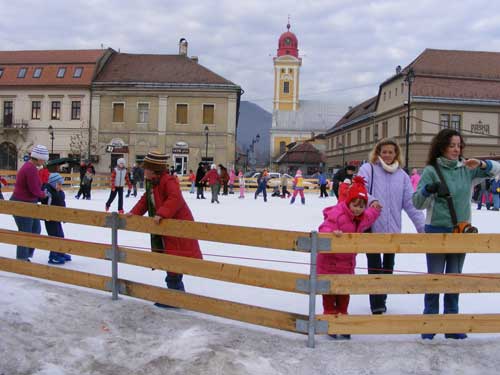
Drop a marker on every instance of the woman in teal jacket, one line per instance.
(460, 176)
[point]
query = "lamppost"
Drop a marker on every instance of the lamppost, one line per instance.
(51, 132)
(251, 148)
(410, 77)
(206, 143)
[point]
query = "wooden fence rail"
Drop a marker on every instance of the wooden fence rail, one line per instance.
(267, 278)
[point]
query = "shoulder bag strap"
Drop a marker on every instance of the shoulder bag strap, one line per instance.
(371, 181)
(448, 197)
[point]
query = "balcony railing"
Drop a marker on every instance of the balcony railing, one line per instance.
(14, 124)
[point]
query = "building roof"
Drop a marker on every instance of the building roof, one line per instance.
(356, 114)
(302, 153)
(311, 116)
(11, 62)
(126, 68)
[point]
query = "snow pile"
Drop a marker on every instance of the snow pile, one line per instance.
(49, 328)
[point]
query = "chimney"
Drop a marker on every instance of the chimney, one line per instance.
(398, 69)
(350, 108)
(194, 58)
(183, 47)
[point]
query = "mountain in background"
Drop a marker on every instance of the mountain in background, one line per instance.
(254, 120)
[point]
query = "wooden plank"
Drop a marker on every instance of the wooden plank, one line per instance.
(413, 284)
(264, 278)
(88, 249)
(268, 238)
(213, 306)
(414, 243)
(261, 237)
(412, 324)
(84, 279)
(71, 215)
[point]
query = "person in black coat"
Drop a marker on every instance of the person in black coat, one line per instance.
(340, 176)
(55, 197)
(200, 173)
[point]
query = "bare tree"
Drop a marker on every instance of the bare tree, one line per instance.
(79, 141)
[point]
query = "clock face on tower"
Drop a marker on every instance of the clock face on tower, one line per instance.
(288, 41)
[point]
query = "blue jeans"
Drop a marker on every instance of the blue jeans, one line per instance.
(174, 281)
(496, 201)
(28, 225)
(439, 263)
(482, 193)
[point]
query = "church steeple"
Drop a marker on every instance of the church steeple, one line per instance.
(286, 72)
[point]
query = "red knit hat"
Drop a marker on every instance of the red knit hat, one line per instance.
(357, 190)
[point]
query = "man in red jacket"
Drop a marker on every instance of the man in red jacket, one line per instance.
(163, 199)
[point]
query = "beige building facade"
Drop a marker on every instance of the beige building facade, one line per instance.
(191, 117)
(45, 99)
(463, 95)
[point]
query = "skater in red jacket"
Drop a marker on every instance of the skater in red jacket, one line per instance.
(163, 200)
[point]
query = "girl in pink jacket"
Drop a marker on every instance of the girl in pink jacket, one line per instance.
(350, 216)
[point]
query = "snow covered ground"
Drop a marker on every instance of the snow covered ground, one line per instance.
(49, 328)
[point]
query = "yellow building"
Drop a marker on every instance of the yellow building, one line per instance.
(293, 120)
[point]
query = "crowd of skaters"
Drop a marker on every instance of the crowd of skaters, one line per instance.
(370, 201)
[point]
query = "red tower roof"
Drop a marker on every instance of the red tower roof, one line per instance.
(288, 44)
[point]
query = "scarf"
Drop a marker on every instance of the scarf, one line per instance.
(389, 168)
(157, 244)
(448, 163)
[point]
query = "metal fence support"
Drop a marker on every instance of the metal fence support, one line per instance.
(313, 279)
(114, 254)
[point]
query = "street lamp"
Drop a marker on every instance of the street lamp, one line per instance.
(410, 77)
(251, 148)
(51, 132)
(206, 143)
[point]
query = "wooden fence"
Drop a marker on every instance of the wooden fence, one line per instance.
(102, 181)
(278, 240)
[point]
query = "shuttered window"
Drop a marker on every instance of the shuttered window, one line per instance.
(208, 113)
(118, 109)
(182, 114)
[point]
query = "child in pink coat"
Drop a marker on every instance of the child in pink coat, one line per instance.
(349, 216)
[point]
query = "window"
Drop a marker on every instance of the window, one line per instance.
(455, 122)
(56, 111)
(282, 147)
(402, 87)
(8, 109)
(384, 96)
(283, 70)
(182, 114)
(76, 108)
(396, 91)
(402, 125)
(342, 141)
(61, 72)
(37, 72)
(22, 72)
(375, 132)
(390, 94)
(143, 113)
(367, 134)
(444, 120)
(1, 72)
(208, 113)
(77, 73)
(118, 109)
(384, 129)
(286, 87)
(359, 136)
(36, 109)
(349, 139)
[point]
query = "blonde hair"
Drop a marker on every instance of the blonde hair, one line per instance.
(375, 153)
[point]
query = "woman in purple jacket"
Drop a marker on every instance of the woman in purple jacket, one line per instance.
(29, 189)
(388, 184)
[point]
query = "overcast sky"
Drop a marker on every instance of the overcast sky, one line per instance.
(348, 47)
